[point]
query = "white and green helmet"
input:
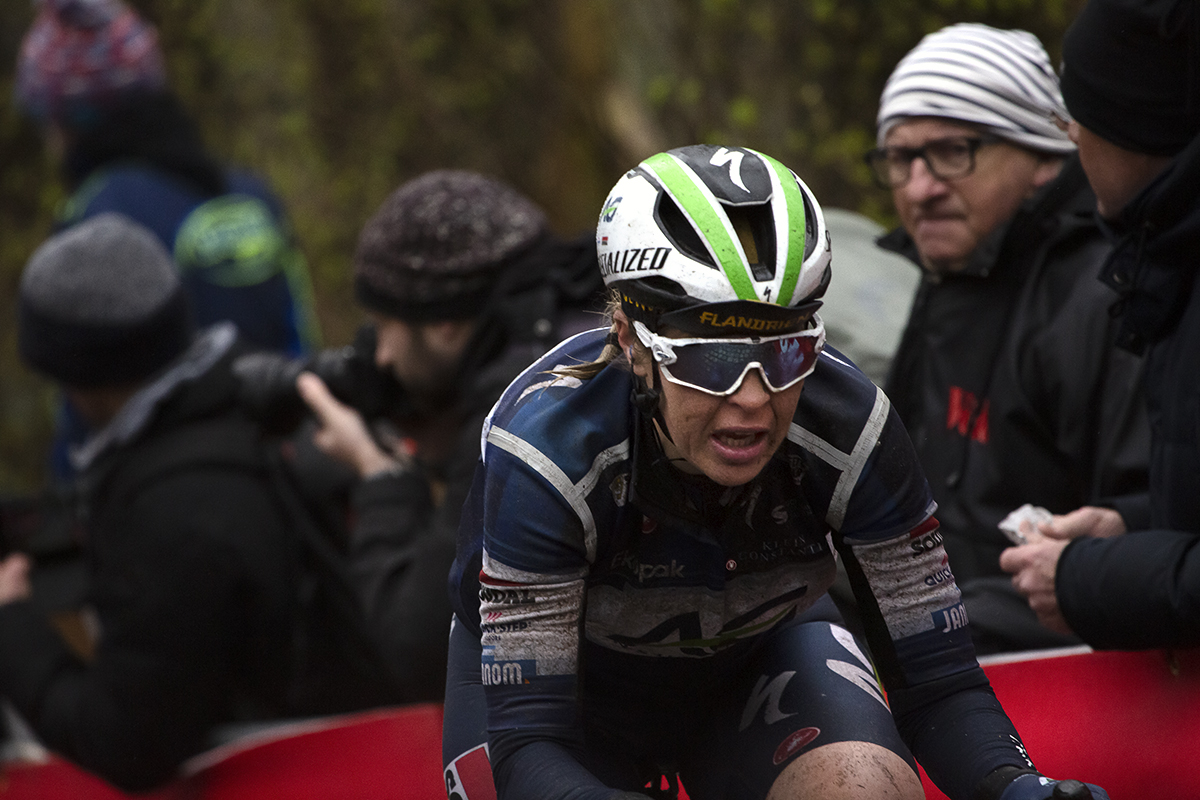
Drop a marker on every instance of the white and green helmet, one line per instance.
(705, 225)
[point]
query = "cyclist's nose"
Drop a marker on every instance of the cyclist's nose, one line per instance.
(753, 392)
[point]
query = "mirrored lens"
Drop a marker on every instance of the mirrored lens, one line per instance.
(718, 367)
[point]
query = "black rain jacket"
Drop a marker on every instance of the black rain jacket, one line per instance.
(1143, 589)
(1008, 381)
(195, 583)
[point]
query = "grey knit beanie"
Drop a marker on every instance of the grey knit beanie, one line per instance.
(100, 305)
(439, 244)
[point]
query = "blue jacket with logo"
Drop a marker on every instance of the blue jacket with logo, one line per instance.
(236, 253)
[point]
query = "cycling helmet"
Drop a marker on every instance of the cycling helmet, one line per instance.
(714, 241)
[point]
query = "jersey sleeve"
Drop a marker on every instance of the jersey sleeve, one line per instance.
(917, 625)
(531, 597)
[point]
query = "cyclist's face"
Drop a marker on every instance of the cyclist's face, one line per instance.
(948, 219)
(730, 439)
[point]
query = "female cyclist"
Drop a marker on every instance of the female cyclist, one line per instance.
(643, 561)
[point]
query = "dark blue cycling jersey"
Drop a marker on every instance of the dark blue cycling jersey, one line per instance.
(583, 560)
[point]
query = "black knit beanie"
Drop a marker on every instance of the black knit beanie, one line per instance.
(100, 305)
(439, 244)
(1131, 73)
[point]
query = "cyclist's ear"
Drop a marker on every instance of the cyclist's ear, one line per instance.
(624, 330)
(638, 356)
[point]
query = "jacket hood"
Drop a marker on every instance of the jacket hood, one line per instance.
(169, 397)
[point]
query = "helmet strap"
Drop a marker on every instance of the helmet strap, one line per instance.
(646, 400)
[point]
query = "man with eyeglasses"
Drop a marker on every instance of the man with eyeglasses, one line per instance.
(1006, 376)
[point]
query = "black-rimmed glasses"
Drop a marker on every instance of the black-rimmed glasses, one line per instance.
(948, 159)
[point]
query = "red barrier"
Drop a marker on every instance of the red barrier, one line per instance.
(383, 755)
(56, 779)
(1127, 721)
(392, 754)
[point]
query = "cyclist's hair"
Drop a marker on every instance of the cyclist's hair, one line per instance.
(611, 354)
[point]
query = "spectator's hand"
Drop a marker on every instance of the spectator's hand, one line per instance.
(343, 434)
(1033, 567)
(1086, 521)
(14, 578)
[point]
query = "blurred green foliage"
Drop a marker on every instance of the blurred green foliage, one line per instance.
(340, 101)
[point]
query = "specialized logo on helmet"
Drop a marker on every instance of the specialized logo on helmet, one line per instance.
(731, 174)
(734, 159)
(636, 259)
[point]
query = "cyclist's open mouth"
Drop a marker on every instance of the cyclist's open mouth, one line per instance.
(739, 445)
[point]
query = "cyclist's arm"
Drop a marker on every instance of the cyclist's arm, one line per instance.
(917, 627)
(531, 609)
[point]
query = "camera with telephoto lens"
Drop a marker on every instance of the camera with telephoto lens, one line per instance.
(268, 383)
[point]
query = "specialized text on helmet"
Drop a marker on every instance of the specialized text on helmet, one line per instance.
(636, 259)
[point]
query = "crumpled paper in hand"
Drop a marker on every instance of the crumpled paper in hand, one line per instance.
(1024, 518)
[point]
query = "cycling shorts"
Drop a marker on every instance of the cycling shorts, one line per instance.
(809, 685)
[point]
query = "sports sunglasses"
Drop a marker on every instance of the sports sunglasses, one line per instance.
(718, 366)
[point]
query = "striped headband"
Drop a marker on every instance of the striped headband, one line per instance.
(999, 80)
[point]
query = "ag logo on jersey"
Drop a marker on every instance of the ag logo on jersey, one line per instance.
(796, 465)
(620, 489)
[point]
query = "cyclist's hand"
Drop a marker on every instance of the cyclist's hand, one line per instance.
(1037, 787)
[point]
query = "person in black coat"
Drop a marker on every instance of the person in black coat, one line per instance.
(1006, 376)
(193, 568)
(465, 286)
(1131, 78)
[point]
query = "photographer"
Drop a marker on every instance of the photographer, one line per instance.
(465, 286)
(211, 608)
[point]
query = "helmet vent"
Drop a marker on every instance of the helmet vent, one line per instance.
(755, 228)
(673, 223)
